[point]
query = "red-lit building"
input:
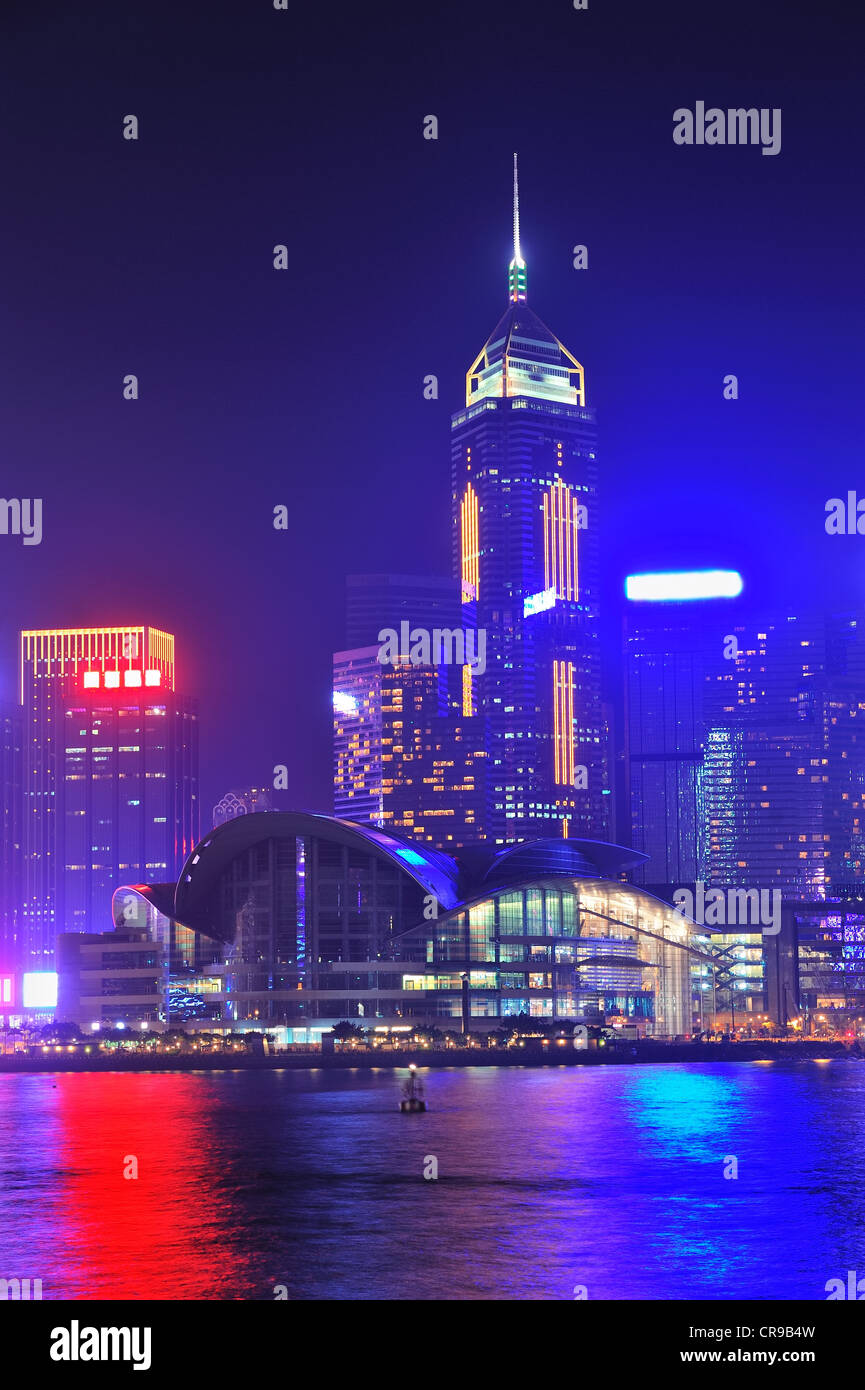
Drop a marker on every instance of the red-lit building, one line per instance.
(110, 782)
(11, 810)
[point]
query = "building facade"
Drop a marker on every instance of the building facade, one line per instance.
(111, 979)
(526, 549)
(11, 831)
(110, 774)
(408, 755)
(747, 771)
(313, 920)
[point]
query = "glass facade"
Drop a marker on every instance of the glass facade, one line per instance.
(593, 950)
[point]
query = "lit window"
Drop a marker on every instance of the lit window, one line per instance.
(112, 680)
(131, 677)
(91, 680)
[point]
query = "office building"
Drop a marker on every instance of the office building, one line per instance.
(11, 811)
(526, 549)
(110, 774)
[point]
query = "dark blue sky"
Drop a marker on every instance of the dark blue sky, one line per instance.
(305, 387)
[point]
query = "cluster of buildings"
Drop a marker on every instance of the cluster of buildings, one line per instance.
(513, 823)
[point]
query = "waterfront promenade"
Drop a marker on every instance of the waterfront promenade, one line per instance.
(362, 1059)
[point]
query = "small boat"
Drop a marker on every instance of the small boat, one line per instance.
(412, 1102)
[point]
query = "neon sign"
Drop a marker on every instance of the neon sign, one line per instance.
(112, 680)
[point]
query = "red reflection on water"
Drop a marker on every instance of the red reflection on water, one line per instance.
(156, 1236)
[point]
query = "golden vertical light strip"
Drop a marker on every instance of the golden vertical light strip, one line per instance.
(563, 723)
(545, 541)
(555, 716)
(561, 538)
(469, 539)
(571, 759)
(569, 584)
(467, 690)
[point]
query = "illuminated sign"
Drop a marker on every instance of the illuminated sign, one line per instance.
(98, 657)
(7, 991)
(343, 703)
(39, 989)
(538, 603)
(681, 585)
(112, 680)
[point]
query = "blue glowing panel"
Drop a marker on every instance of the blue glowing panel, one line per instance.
(679, 585)
(411, 856)
(538, 603)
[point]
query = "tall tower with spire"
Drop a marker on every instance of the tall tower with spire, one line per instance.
(526, 548)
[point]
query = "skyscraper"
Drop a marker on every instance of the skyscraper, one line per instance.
(747, 771)
(377, 601)
(783, 775)
(525, 523)
(357, 735)
(409, 748)
(11, 762)
(670, 648)
(407, 756)
(110, 774)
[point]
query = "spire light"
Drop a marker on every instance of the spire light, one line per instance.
(517, 267)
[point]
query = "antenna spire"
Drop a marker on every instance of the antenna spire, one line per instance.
(517, 267)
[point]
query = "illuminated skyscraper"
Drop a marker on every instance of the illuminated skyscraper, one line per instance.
(526, 550)
(11, 762)
(783, 775)
(434, 762)
(409, 747)
(110, 774)
(670, 649)
(405, 755)
(357, 735)
(746, 747)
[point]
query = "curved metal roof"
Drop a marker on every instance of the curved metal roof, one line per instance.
(572, 858)
(473, 874)
(434, 872)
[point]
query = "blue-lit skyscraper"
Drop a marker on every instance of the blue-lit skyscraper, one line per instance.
(526, 550)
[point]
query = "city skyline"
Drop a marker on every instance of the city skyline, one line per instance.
(668, 305)
(571, 579)
(432, 672)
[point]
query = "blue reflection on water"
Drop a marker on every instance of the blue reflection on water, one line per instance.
(610, 1177)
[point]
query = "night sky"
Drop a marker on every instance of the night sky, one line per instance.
(304, 387)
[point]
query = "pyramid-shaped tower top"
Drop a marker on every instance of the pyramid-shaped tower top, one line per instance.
(522, 357)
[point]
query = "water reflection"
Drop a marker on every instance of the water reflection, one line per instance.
(608, 1177)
